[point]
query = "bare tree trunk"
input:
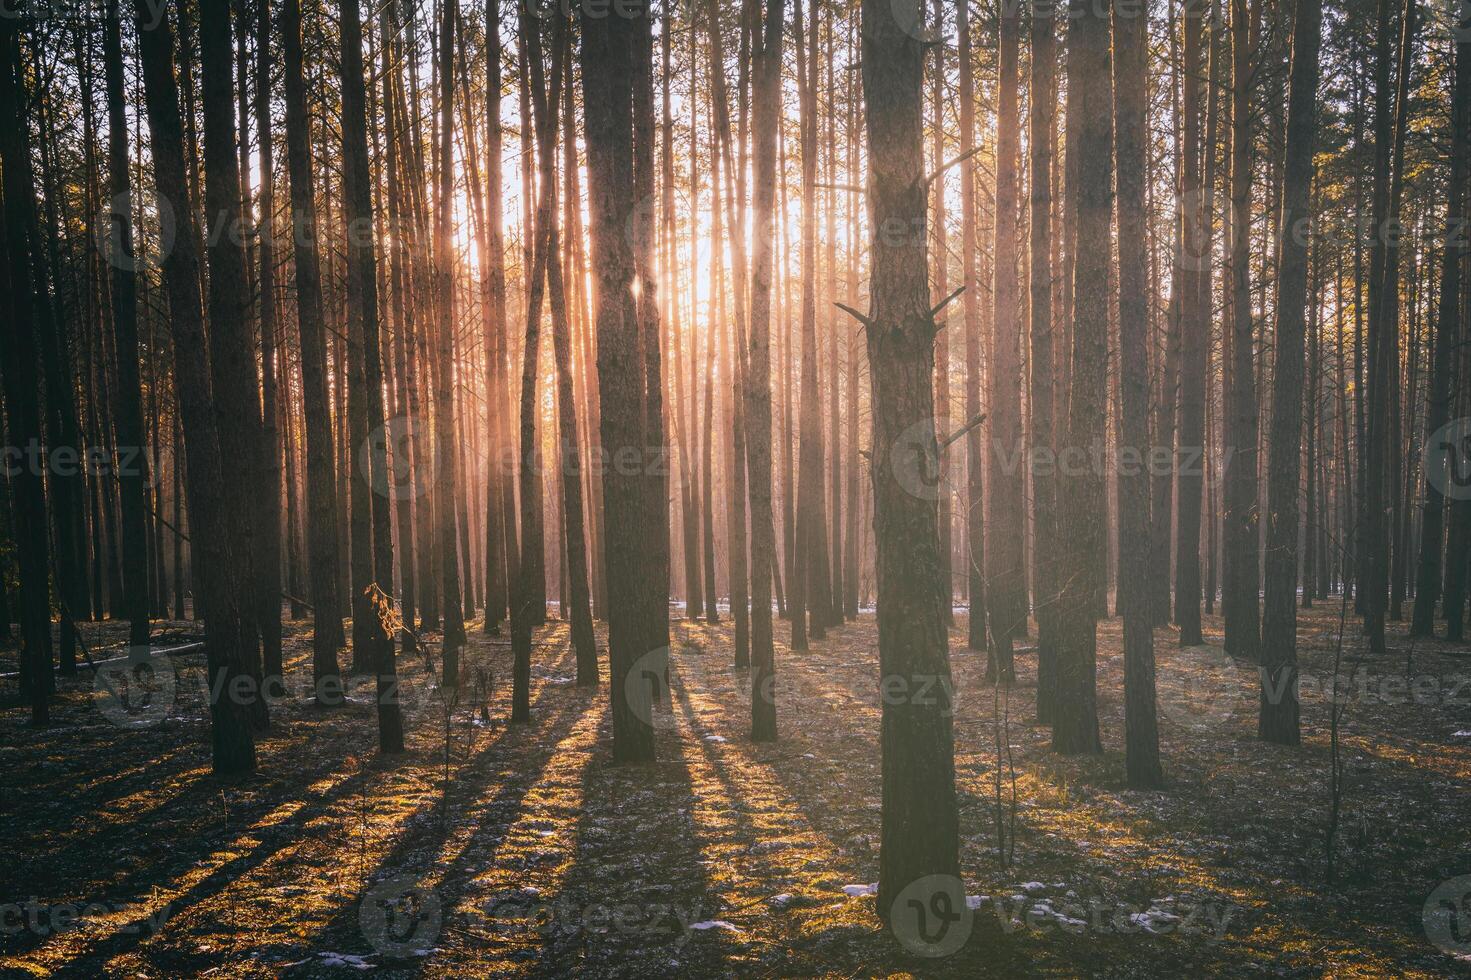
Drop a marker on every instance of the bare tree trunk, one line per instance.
(1193, 263)
(1447, 336)
(232, 360)
(369, 449)
(575, 601)
(655, 480)
(446, 473)
(212, 547)
(1391, 114)
(22, 399)
(919, 836)
(1043, 397)
(1075, 728)
(268, 506)
(127, 393)
(939, 287)
(321, 491)
(1131, 103)
(805, 602)
(1006, 544)
(766, 119)
(493, 298)
(607, 82)
(1279, 711)
(1240, 601)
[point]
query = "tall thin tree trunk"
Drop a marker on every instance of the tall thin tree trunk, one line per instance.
(1194, 262)
(370, 463)
(1131, 103)
(607, 81)
(227, 651)
(1279, 711)
(22, 398)
(765, 122)
(127, 395)
(446, 474)
(1006, 544)
(919, 833)
(1447, 336)
(1043, 396)
(1240, 601)
(1075, 729)
(321, 486)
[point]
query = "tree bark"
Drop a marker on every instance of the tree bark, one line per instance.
(607, 82)
(1043, 396)
(1447, 336)
(211, 546)
(22, 399)
(1193, 263)
(919, 835)
(1006, 544)
(1131, 101)
(321, 485)
(1075, 729)
(1240, 603)
(1278, 721)
(765, 121)
(127, 393)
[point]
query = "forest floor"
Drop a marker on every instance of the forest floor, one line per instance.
(124, 857)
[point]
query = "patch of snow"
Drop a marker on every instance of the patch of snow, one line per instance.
(974, 902)
(345, 959)
(715, 738)
(861, 891)
(715, 924)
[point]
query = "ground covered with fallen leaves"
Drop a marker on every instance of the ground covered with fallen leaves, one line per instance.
(491, 849)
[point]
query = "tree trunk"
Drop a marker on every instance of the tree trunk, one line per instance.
(1447, 336)
(1279, 711)
(370, 463)
(22, 399)
(1075, 729)
(212, 547)
(1006, 544)
(1043, 396)
(919, 836)
(765, 122)
(321, 485)
(232, 355)
(268, 505)
(127, 393)
(575, 602)
(607, 81)
(446, 477)
(1241, 530)
(1131, 101)
(1193, 263)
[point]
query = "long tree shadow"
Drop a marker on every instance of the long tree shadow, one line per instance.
(265, 824)
(639, 880)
